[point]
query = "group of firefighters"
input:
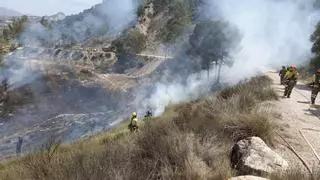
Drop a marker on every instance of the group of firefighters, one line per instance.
(133, 125)
(289, 78)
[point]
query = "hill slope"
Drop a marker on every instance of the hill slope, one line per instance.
(9, 12)
(188, 141)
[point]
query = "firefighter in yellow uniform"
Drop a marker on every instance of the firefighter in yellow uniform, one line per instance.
(290, 80)
(133, 126)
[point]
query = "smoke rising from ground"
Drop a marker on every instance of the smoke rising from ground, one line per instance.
(108, 19)
(274, 32)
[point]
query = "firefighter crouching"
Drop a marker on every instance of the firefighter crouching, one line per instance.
(290, 80)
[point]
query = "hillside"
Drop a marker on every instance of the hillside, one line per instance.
(73, 88)
(174, 145)
(8, 12)
(70, 83)
(188, 141)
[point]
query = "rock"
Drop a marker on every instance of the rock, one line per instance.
(253, 156)
(248, 178)
(108, 49)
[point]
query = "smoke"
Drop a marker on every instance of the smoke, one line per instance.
(107, 19)
(169, 92)
(275, 32)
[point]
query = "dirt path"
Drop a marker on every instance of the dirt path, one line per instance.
(297, 115)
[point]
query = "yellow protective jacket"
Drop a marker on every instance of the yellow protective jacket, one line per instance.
(290, 74)
(134, 121)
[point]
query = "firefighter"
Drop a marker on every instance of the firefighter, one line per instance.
(133, 126)
(147, 116)
(282, 73)
(315, 87)
(290, 80)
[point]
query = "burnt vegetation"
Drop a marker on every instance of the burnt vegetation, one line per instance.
(190, 141)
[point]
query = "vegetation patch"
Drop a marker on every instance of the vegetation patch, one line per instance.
(180, 16)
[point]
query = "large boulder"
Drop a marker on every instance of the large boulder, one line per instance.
(248, 178)
(253, 156)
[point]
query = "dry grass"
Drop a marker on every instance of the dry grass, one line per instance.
(233, 114)
(190, 141)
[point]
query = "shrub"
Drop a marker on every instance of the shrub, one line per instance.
(258, 87)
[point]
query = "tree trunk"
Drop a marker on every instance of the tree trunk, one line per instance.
(219, 72)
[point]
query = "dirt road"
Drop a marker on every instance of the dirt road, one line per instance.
(297, 115)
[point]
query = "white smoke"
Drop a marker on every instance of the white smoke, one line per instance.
(175, 92)
(109, 18)
(120, 13)
(274, 33)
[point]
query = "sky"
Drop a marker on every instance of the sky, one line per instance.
(48, 7)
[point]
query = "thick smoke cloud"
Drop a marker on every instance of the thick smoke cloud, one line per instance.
(169, 92)
(274, 32)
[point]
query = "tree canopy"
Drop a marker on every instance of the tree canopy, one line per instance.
(131, 42)
(315, 39)
(213, 41)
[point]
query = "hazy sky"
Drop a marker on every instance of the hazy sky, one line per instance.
(48, 7)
